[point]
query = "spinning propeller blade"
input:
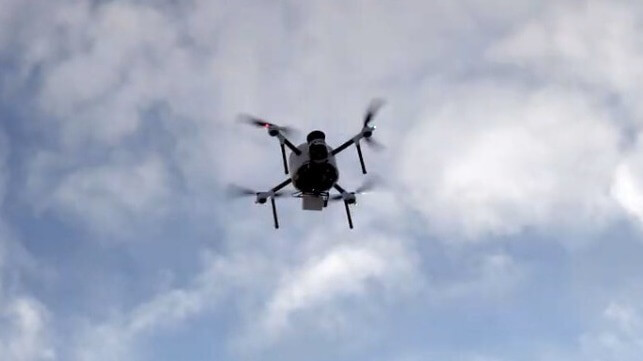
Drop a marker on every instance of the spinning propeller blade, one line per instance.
(375, 105)
(372, 110)
(366, 187)
(260, 123)
(374, 144)
(235, 191)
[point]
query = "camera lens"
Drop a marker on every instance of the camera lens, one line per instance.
(318, 151)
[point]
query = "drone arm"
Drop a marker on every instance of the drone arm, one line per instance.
(339, 188)
(347, 144)
(292, 147)
(284, 141)
(281, 185)
(355, 140)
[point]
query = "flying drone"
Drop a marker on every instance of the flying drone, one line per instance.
(312, 167)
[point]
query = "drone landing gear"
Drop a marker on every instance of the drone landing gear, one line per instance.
(348, 199)
(262, 197)
(283, 143)
(361, 158)
(283, 156)
(274, 212)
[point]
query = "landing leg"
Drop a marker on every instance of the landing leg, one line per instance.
(283, 156)
(348, 215)
(274, 212)
(361, 158)
(346, 205)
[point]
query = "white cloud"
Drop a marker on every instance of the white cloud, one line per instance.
(96, 82)
(627, 187)
(593, 45)
(24, 321)
(211, 68)
(23, 336)
(486, 158)
(617, 336)
(119, 336)
(109, 197)
(627, 191)
(99, 88)
(591, 41)
(495, 158)
(363, 270)
(490, 277)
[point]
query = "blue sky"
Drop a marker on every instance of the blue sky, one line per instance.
(509, 227)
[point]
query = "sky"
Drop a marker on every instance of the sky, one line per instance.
(507, 227)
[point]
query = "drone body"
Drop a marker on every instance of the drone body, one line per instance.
(314, 171)
(312, 167)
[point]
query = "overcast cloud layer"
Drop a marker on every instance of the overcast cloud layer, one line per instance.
(508, 228)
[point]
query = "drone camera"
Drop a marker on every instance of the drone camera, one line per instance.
(317, 146)
(315, 135)
(318, 151)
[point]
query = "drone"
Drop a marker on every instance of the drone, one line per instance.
(311, 166)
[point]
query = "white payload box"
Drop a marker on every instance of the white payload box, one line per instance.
(312, 202)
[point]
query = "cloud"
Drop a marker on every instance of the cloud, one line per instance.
(500, 105)
(107, 198)
(344, 271)
(24, 321)
(592, 46)
(99, 90)
(132, 71)
(120, 335)
(23, 336)
(491, 276)
(273, 290)
(627, 186)
(618, 335)
(591, 42)
(493, 158)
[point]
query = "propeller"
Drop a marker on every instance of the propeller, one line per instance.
(235, 191)
(374, 144)
(372, 110)
(260, 123)
(366, 187)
